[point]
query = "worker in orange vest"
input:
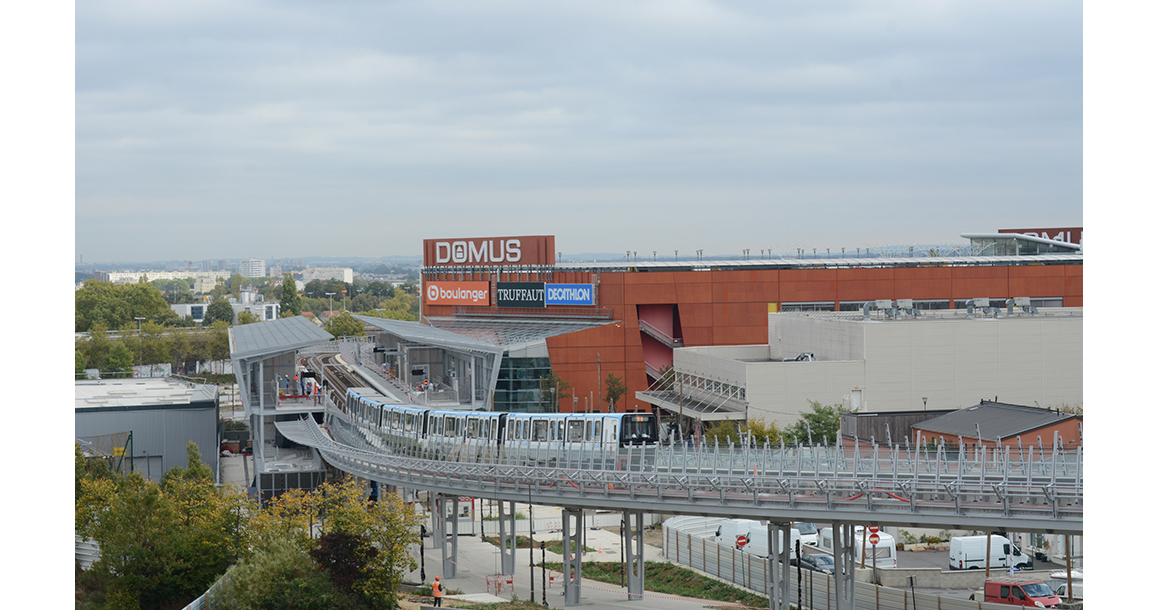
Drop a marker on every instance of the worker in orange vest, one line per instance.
(437, 591)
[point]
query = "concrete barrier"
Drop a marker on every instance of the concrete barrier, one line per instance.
(937, 578)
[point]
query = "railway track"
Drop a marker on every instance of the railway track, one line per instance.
(339, 376)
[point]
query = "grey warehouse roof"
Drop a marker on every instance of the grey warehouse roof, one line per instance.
(996, 420)
(274, 337)
(141, 392)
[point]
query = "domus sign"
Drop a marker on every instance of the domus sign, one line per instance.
(489, 251)
(476, 294)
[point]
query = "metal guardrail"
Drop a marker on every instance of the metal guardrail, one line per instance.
(857, 484)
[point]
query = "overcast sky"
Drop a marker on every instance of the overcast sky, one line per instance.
(236, 129)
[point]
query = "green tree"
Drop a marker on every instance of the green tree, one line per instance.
(345, 325)
(279, 575)
(80, 365)
(290, 299)
(119, 362)
(615, 388)
(96, 347)
(235, 283)
(219, 310)
(823, 424)
(246, 317)
(364, 303)
(161, 545)
(756, 431)
(552, 386)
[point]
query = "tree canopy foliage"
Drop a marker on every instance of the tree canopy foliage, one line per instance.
(164, 544)
(345, 325)
(821, 424)
(290, 299)
(219, 310)
(115, 307)
(756, 431)
(615, 388)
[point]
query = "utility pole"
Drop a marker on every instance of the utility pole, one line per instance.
(599, 382)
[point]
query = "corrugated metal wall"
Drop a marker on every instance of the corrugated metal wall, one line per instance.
(159, 435)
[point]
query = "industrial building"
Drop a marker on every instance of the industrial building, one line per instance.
(148, 420)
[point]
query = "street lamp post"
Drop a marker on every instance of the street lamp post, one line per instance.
(331, 295)
(138, 324)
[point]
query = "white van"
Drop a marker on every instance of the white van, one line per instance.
(759, 541)
(885, 550)
(807, 531)
(969, 553)
(731, 531)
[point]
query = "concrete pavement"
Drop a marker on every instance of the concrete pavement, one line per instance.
(479, 561)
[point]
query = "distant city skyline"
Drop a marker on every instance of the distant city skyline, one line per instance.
(275, 130)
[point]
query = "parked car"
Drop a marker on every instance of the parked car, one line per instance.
(817, 563)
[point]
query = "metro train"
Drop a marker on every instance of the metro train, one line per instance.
(528, 438)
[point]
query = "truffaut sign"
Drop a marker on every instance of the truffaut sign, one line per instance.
(489, 251)
(519, 294)
(476, 294)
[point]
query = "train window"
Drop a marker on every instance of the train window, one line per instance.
(394, 419)
(473, 428)
(409, 424)
(558, 430)
(575, 431)
(540, 427)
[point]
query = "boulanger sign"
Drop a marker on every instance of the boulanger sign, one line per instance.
(489, 251)
(474, 294)
(540, 295)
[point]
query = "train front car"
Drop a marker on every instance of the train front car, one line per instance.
(578, 440)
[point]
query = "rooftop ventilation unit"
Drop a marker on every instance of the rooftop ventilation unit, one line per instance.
(1022, 303)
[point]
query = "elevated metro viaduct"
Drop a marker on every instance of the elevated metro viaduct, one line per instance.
(996, 492)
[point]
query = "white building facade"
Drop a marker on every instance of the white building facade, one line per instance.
(342, 274)
(253, 268)
(941, 360)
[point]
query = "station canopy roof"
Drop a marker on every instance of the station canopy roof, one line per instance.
(426, 334)
(247, 341)
(511, 333)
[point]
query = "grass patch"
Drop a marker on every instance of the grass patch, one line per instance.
(673, 580)
(523, 542)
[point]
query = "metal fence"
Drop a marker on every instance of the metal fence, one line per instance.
(689, 541)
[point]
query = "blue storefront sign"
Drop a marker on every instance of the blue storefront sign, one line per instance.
(570, 294)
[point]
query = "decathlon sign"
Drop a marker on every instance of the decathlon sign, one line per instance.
(539, 295)
(474, 294)
(489, 251)
(570, 294)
